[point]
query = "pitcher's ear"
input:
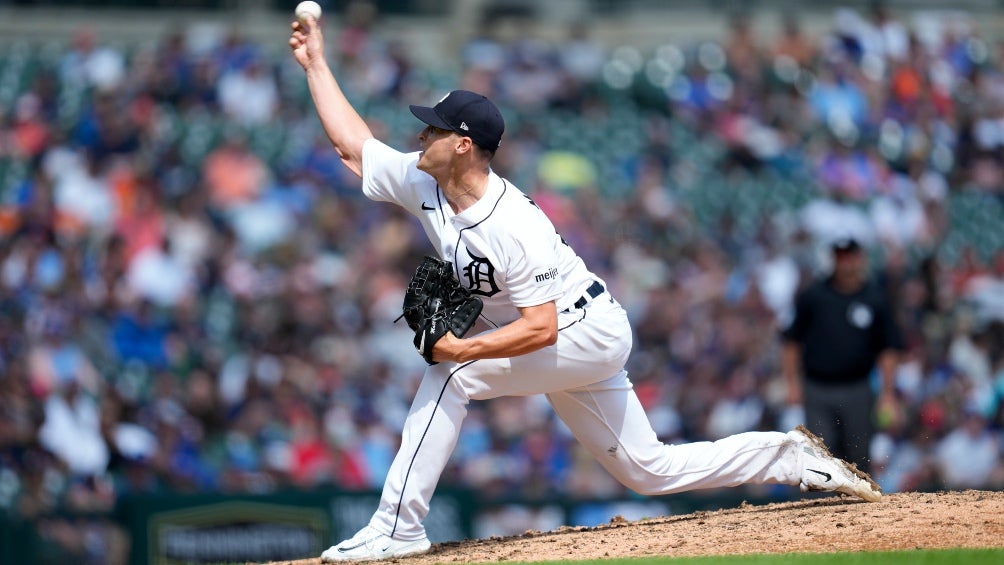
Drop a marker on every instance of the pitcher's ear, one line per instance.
(464, 145)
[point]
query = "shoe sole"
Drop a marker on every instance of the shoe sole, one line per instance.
(374, 558)
(876, 492)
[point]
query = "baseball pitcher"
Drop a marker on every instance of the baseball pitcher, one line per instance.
(542, 324)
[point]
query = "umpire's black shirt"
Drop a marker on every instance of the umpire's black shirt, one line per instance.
(842, 334)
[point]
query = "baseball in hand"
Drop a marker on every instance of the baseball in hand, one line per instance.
(308, 8)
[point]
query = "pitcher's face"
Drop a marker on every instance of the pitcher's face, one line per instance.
(438, 149)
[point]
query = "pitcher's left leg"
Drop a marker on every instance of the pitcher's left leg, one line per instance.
(430, 433)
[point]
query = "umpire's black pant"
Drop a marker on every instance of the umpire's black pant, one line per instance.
(842, 415)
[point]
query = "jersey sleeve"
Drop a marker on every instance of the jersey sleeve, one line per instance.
(796, 330)
(533, 278)
(890, 336)
(386, 173)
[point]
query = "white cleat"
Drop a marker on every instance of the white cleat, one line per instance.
(824, 472)
(370, 545)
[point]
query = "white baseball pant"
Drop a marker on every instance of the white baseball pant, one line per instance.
(584, 379)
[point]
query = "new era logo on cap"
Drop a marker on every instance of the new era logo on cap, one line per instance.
(467, 113)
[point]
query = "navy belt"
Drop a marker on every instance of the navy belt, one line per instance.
(593, 291)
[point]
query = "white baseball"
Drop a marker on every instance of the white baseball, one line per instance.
(308, 8)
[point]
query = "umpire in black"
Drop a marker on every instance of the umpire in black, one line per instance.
(842, 329)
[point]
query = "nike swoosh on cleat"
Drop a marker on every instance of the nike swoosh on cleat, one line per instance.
(344, 549)
(424, 207)
(358, 545)
(828, 476)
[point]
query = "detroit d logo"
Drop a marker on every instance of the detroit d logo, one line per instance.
(480, 276)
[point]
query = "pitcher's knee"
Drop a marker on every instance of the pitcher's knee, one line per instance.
(641, 481)
(648, 489)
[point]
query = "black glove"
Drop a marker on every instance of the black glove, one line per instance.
(435, 302)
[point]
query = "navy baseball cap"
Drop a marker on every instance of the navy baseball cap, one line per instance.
(467, 113)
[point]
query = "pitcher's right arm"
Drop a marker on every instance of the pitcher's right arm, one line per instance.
(343, 125)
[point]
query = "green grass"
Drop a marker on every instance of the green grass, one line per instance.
(915, 557)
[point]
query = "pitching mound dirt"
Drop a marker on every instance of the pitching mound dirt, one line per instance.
(900, 521)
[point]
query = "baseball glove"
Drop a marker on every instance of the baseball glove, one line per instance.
(435, 302)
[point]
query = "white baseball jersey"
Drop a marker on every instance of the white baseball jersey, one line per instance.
(506, 250)
(503, 248)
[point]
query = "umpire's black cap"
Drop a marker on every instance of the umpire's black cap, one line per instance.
(845, 245)
(467, 113)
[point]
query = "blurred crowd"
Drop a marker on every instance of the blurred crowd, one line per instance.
(195, 297)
